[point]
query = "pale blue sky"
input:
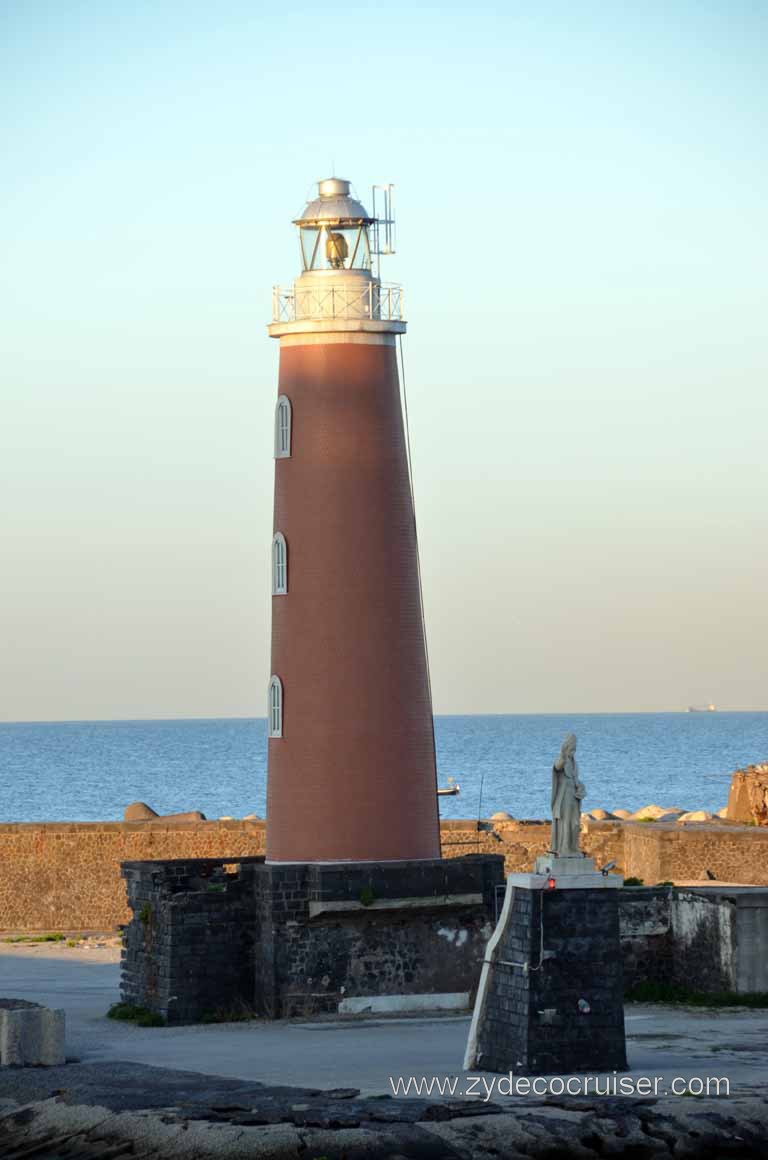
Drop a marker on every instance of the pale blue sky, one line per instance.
(581, 195)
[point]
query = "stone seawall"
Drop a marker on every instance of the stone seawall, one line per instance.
(65, 876)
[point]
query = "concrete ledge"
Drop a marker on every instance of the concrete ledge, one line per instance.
(30, 1035)
(328, 326)
(596, 881)
(391, 1004)
(422, 903)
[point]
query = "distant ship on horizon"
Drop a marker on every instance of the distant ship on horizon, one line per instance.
(702, 709)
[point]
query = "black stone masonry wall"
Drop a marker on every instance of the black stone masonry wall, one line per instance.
(218, 938)
(188, 952)
(563, 1012)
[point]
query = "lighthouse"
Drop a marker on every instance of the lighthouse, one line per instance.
(351, 764)
(353, 875)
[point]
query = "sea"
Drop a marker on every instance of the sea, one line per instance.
(90, 770)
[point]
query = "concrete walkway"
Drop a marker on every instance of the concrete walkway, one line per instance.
(663, 1041)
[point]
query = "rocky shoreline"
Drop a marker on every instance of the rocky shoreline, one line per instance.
(119, 1113)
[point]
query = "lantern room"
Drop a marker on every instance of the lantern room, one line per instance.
(341, 249)
(334, 230)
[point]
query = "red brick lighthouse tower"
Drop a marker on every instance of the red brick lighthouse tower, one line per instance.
(351, 745)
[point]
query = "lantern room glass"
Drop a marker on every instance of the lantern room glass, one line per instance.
(331, 247)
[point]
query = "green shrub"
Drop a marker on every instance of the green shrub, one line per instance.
(632, 881)
(367, 895)
(141, 1016)
(149, 1019)
(121, 1011)
(35, 938)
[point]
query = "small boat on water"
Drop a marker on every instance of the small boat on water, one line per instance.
(702, 709)
(452, 789)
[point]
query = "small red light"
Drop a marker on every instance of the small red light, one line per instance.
(551, 883)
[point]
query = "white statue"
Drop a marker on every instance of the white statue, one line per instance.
(567, 795)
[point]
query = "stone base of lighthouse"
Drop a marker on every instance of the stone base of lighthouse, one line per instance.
(211, 938)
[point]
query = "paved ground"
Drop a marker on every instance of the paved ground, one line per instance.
(363, 1054)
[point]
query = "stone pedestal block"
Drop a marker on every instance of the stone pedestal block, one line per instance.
(569, 872)
(30, 1034)
(550, 999)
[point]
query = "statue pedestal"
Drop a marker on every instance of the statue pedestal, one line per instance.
(562, 864)
(551, 993)
(570, 872)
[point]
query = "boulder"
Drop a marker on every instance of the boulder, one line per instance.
(251, 818)
(748, 797)
(601, 815)
(138, 812)
(501, 816)
(141, 812)
(670, 815)
(622, 815)
(651, 811)
(696, 816)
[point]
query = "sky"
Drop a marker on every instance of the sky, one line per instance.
(581, 194)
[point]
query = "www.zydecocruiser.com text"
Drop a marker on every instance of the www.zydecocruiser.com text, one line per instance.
(487, 1087)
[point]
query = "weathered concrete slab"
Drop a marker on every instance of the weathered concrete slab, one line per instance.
(30, 1035)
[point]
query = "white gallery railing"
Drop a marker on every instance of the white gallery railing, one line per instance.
(377, 301)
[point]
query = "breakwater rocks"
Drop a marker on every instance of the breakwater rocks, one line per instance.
(747, 805)
(655, 813)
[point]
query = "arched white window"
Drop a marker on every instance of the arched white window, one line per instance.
(279, 565)
(275, 708)
(283, 428)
